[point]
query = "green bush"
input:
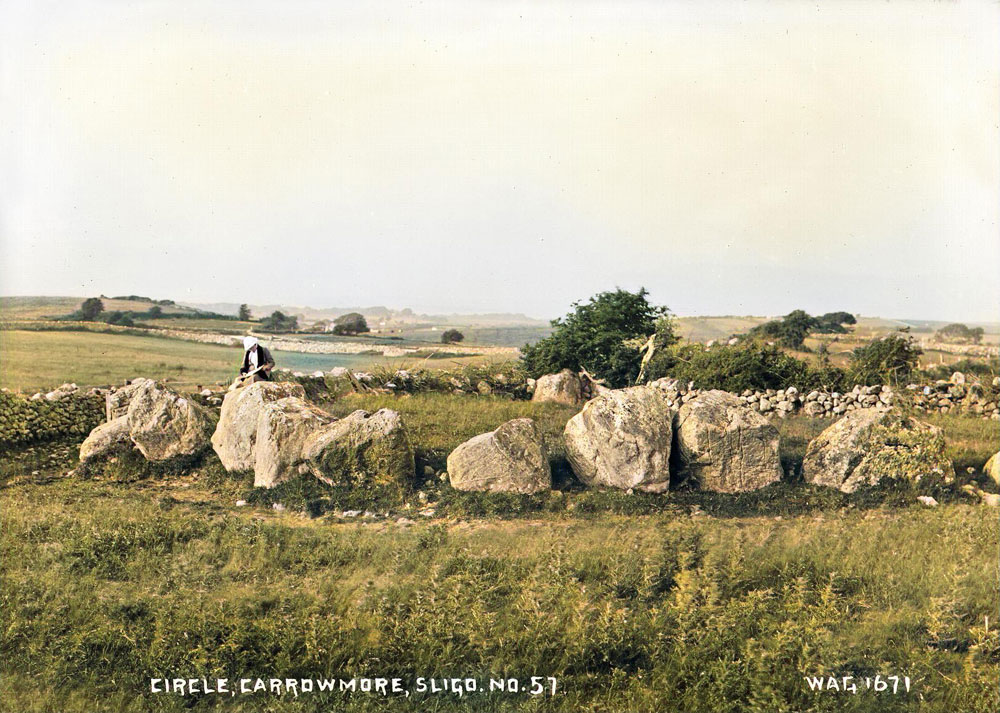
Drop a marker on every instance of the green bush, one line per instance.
(603, 336)
(747, 365)
(892, 359)
(24, 421)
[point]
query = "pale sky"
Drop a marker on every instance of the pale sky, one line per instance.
(734, 158)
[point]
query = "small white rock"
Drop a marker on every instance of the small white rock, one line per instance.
(240, 503)
(927, 500)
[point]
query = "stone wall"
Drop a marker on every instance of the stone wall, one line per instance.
(941, 397)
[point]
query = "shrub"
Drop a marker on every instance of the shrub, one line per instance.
(90, 308)
(889, 360)
(957, 332)
(451, 336)
(603, 336)
(748, 365)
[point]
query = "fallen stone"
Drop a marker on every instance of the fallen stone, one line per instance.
(562, 388)
(867, 445)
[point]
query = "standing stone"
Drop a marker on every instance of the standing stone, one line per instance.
(867, 445)
(236, 434)
(511, 459)
(725, 446)
(562, 388)
(283, 428)
(622, 439)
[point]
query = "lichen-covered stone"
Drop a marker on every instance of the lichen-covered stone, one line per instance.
(622, 439)
(866, 446)
(165, 425)
(511, 459)
(104, 439)
(562, 388)
(363, 450)
(725, 445)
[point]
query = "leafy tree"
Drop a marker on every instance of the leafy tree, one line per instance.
(603, 335)
(350, 323)
(155, 312)
(244, 313)
(451, 336)
(91, 307)
(957, 332)
(833, 322)
(790, 331)
(278, 321)
(889, 360)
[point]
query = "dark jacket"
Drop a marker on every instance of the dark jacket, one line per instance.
(263, 358)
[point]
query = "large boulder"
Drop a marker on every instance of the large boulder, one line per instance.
(236, 434)
(161, 424)
(283, 429)
(866, 446)
(511, 459)
(992, 468)
(562, 388)
(622, 439)
(363, 450)
(165, 425)
(269, 428)
(105, 439)
(725, 445)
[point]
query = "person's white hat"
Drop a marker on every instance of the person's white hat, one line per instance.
(249, 343)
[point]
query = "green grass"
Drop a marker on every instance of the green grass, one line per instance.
(41, 360)
(685, 601)
(105, 585)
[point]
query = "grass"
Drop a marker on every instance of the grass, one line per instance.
(41, 360)
(107, 585)
(686, 601)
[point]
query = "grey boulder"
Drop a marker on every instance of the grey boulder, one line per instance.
(562, 388)
(622, 439)
(725, 445)
(867, 445)
(511, 459)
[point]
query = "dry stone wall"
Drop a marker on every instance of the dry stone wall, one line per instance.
(941, 397)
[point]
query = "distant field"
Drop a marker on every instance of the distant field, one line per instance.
(32, 361)
(39, 307)
(38, 360)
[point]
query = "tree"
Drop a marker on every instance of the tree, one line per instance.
(957, 332)
(451, 336)
(350, 323)
(155, 312)
(790, 331)
(603, 335)
(244, 313)
(889, 360)
(833, 322)
(278, 321)
(91, 307)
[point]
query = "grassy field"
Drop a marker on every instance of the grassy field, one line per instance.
(41, 360)
(686, 601)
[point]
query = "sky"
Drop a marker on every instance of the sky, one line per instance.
(732, 158)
